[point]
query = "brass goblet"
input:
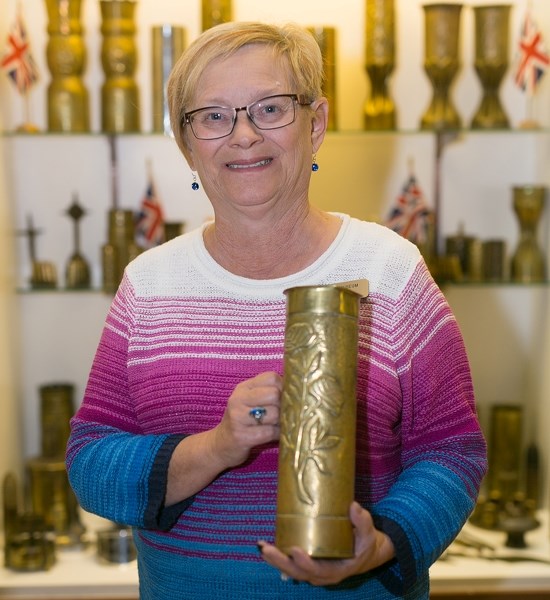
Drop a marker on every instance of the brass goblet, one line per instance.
(491, 63)
(441, 63)
(379, 109)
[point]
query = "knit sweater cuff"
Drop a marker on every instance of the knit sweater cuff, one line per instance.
(157, 515)
(400, 573)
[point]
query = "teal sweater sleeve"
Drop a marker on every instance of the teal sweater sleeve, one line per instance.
(122, 476)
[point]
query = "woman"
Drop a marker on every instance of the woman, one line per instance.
(165, 439)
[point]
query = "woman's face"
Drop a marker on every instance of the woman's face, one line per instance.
(254, 169)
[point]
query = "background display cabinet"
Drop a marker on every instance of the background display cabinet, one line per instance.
(468, 175)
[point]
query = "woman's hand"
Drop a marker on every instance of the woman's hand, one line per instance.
(238, 431)
(198, 459)
(372, 549)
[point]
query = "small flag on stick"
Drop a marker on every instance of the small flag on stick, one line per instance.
(410, 215)
(150, 218)
(532, 57)
(17, 60)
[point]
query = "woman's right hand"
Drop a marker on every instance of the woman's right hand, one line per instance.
(238, 431)
(198, 459)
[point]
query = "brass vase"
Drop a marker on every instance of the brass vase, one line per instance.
(318, 421)
(492, 25)
(68, 101)
(119, 92)
(505, 451)
(120, 248)
(215, 12)
(379, 109)
(441, 63)
(528, 262)
(56, 410)
(326, 38)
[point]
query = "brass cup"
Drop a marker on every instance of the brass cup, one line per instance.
(441, 63)
(318, 422)
(379, 109)
(492, 25)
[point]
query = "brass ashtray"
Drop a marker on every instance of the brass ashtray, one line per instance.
(116, 545)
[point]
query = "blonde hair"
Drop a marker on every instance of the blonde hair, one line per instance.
(291, 42)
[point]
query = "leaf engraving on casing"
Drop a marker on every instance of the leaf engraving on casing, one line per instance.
(314, 398)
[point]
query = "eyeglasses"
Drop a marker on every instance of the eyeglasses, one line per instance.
(273, 112)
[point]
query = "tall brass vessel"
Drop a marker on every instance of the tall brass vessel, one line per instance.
(492, 27)
(120, 248)
(441, 63)
(318, 422)
(528, 260)
(168, 45)
(505, 451)
(379, 110)
(68, 101)
(215, 12)
(119, 92)
(326, 38)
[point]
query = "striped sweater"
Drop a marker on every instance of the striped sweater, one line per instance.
(182, 332)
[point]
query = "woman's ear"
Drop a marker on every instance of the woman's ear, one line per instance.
(319, 122)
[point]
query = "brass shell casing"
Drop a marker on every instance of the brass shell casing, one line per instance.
(318, 422)
(326, 38)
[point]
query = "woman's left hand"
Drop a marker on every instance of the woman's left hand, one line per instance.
(372, 549)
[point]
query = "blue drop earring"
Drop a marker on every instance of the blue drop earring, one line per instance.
(195, 186)
(314, 165)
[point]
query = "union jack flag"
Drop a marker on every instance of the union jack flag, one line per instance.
(410, 215)
(150, 220)
(17, 59)
(533, 59)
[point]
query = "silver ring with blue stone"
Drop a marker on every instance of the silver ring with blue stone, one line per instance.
(258, 413)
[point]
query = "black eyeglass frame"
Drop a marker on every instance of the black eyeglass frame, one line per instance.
(299, 99)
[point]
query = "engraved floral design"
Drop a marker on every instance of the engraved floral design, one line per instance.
(314, 396)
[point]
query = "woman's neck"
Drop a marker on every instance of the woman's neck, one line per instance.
(266, 250)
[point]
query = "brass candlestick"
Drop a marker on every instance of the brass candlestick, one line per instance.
(318, 417)
(441, 63)
(119, 92)
(66, 56)
(379, 111)
(77, 271)
(491, 63)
